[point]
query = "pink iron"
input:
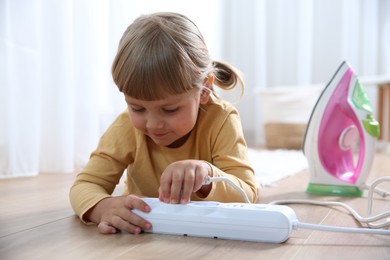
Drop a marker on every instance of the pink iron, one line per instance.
(340, 138)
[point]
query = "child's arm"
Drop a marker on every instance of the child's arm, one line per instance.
(90, 195)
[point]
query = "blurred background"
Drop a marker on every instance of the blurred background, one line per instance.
(56, 92)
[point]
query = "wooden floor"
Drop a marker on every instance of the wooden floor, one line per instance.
(37, 222)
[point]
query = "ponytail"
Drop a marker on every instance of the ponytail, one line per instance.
(227, 77)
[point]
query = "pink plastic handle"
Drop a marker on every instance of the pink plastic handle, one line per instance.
(339, 115)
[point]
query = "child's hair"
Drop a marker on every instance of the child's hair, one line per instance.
(165, 53)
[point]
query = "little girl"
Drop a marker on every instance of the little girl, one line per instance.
(175, 133)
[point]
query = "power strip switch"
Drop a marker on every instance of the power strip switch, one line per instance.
(235, 221)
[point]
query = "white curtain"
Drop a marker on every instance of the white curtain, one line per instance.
(56, 91)
(54, 66)
(302, 43)
(57, 94)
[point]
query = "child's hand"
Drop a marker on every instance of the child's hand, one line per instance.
(113, 214)
(181, 178)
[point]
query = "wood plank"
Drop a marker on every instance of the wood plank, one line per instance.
(33, 201)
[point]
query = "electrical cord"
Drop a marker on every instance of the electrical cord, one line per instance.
(209, 180)
(366, 220)
(340, 229)
(369, 220)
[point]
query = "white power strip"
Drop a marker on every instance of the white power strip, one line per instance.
(236, 221)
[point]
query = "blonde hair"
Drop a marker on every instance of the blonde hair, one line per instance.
(165, 53)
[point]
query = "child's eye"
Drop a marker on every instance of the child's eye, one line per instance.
(170, 110)
(137, 109)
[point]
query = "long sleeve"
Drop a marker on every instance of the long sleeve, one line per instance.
(105, 167)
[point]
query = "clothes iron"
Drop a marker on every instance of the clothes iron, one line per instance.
(340, 137)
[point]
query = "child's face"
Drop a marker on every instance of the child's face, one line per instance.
(166, 121)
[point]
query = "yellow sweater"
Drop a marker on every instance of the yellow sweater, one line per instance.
(216, 138)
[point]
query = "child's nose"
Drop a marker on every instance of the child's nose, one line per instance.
(154, 122)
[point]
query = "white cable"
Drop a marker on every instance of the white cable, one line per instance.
(342, 229)
(366, 220)
(369, 220)
(209, 180)
(378, 191)
(373, 188)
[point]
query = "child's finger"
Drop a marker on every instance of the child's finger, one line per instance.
(105, 228)
(135, 202)
(165, 189)
(188, 185)
(176, 187)
(123, 225)
(199, 178)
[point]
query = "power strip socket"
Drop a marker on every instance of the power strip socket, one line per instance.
(235, 221)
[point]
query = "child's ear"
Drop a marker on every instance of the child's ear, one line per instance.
(208, 86)
(204, 95)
